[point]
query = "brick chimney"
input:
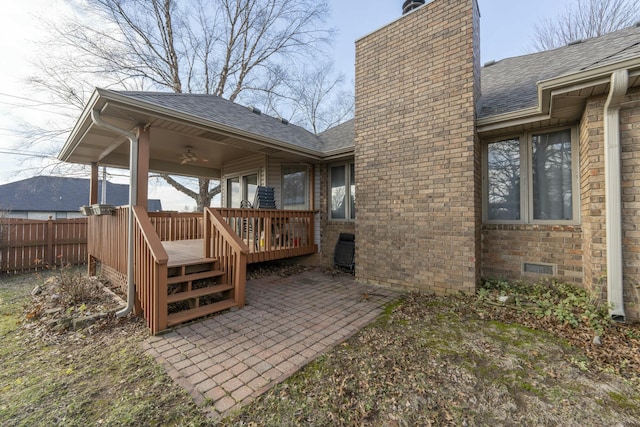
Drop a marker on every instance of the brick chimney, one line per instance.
(417, 155)
(409, 5)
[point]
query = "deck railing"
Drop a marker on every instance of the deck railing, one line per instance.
(172, 226)
(232, 237)
(272, 234)
(107, 240)
(221, 242)
(108, 243)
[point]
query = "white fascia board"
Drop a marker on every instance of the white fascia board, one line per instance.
(80, 129)
(556, 86)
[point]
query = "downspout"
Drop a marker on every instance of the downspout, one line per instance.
(104, 185)
(615, 284)
(133, 197)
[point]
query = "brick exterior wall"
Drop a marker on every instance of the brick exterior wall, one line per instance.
(592, 197)
(329, 230)
(417, 155)
(505, 247)
(579, 252)
(630, 146)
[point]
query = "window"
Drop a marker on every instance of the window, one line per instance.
(504, 179)
(551, 172)
(241, 188)
(342, 186)
(295, 187)
(532, 178)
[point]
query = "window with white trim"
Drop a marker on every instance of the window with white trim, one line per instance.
(342, 192)
(532, 178)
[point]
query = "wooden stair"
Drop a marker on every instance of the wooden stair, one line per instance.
(196, 289)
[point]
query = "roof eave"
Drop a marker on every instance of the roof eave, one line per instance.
(102, 97)
(209, 124)
(513, 118)
(339, 153)
(82, 126)
(549, 88)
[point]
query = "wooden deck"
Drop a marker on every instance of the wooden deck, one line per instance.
(180, 278)
(183, 252)
(268, 234)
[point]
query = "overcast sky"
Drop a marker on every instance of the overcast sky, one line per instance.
(506, 30)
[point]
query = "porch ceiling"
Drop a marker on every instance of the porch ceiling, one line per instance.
(170, 136)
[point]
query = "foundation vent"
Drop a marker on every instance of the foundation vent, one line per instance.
(409, 5)
(539, 268)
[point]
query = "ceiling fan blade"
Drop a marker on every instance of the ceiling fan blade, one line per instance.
(189, 156)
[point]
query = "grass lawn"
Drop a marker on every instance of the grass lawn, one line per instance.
(447, 361)
(98, 379)
(426, 361)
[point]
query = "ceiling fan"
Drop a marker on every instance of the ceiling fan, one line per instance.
(189, 156)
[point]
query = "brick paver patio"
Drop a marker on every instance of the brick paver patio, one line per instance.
(231, 358)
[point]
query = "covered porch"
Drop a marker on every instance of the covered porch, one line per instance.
(187, 265)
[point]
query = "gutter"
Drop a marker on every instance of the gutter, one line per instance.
(549, 88)
(133, 196)
(615, 282)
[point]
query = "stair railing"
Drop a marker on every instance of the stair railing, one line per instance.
(151, 272)
(221, 242)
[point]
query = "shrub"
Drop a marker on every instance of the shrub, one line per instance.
(563, 302)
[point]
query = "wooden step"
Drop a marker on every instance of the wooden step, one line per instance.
(196, 293)
(194, 276)
(194, 313)
(195, 261)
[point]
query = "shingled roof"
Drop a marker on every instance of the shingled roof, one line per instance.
(339, 137)
(219, 110)
(59, 194)
(507, 86)
(511, 84)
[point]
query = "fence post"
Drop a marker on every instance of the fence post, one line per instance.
(51, 258)
(4, 245)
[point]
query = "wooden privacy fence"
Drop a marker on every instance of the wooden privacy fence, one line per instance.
(33, 245)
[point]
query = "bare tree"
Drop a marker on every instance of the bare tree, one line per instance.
(585, 19)
(319, 103)
(314, 97)
(219, 47)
